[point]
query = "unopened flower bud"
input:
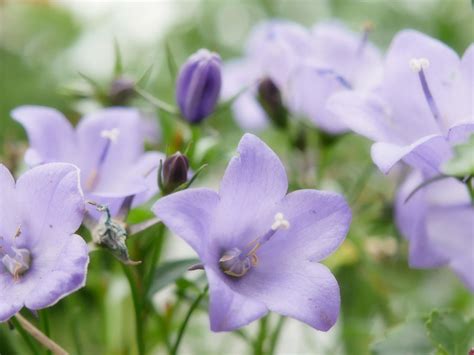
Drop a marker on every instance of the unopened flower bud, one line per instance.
(175, 171)
(121, 90)
(199, 85)
(270, 98)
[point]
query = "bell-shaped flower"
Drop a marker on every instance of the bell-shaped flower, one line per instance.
(41, 260)
(107, 146)
(423, 106)
(273, 50)
(261, 247)
(342, 61)
(438, 221)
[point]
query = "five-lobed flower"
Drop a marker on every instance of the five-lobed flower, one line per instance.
(259, 246)
(41, 259)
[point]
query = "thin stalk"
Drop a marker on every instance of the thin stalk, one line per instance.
(157, 102)
(275, 336)
(39, 336)
(182, 329)
(137, 308)
(262, 334)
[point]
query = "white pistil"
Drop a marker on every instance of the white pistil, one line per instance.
(280, 222)
(417, 64)
(111, 134)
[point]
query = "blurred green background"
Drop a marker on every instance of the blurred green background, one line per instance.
(44, 45)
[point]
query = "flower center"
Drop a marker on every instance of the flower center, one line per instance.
(111, 136)
(418, 65)
(17, 261)
(237, 262)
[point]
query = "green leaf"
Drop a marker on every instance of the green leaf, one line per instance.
(462, 164)
(407, 338)
(172, 66)
(450, 332)
(169, 272)
(118, 66)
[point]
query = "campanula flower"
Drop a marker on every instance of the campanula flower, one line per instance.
(342, 61)
(107, 146)
(41, 260)
(423, 106)
(438, 221)
(199, 85)
(274, 48)
(260, 246)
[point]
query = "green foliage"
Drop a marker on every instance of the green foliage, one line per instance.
(169, 272)
(462, 164)
(451, 333)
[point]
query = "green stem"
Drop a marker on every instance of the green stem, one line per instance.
(182, 329)
(45, 325)
(138, 310)
(25, 336)
(262, 334)
(155, 257)
(275, 336)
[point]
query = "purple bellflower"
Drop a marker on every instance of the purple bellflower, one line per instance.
(342, 61)
(423, 106)
(273, 50)
(107, 146)
(199, 85)
(438, 221)
(41, 260)
(259, 246)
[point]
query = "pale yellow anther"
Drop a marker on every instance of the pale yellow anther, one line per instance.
(417, 64)
(280, 222)
(111, 134)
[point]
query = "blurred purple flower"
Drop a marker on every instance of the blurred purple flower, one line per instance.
(423, 106)
(438, 221)
(261, 247)
(199, 85)
(342, 61)
(107, 146)
(273, 50)
(41, 260)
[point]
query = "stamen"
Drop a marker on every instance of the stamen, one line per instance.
(418, 66)
(111, 136)
(368, 27)
(236, 262)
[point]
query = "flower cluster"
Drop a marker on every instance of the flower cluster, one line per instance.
(261, 246)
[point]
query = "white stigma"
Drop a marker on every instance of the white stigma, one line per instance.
(111, 134)
(417, 64)
(280, 222)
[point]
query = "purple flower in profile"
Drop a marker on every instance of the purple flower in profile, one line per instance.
(199, 85)
(438, 221)
(342, 61)
(423, 106)
(273, 50)
(41, 260)
(259, 246)
(107, 146)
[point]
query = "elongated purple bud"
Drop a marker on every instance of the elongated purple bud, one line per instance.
(198, 85)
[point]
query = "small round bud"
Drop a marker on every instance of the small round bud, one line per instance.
(121, 90)
(198, 85)
(175, 171)
(270, 98)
